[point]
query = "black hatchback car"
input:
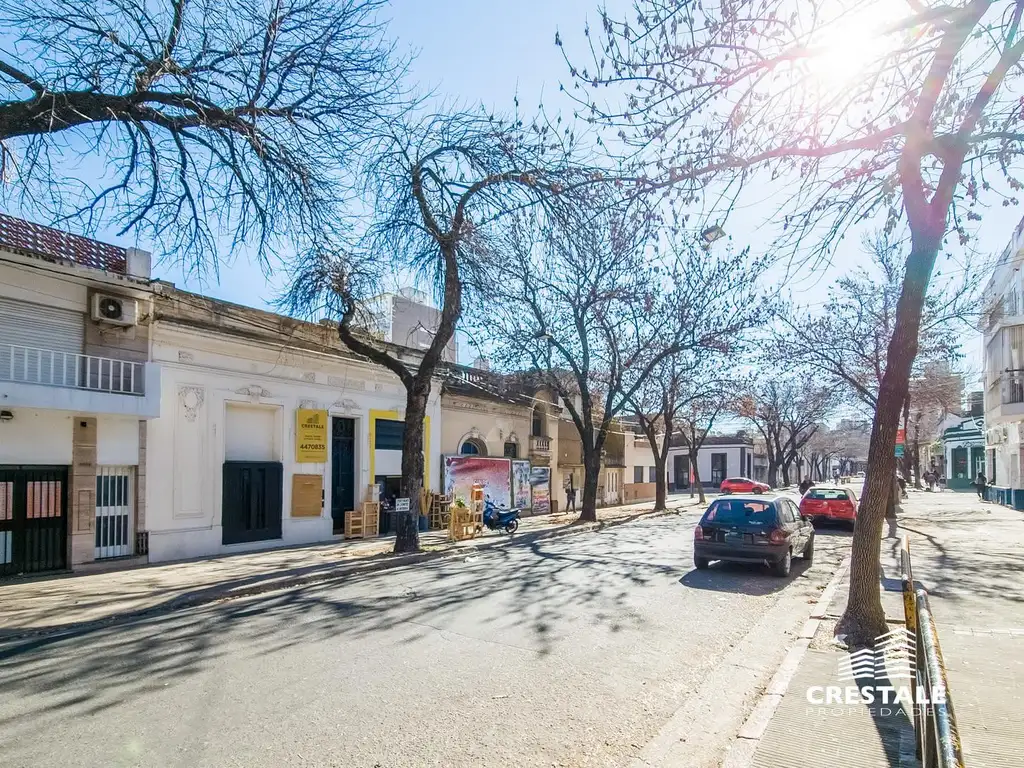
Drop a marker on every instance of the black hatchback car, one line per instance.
(753, 529)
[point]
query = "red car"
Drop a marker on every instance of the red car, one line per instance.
(829, 503)
(743, 485)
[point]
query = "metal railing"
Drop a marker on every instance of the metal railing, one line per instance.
(49, 367)
(938, 740)
(1012, 386)
(540, 444)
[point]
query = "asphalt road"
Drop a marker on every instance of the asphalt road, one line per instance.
(570, 652)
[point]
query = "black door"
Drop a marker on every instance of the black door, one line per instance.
(681, 470)
(252, 501)
(719, 468)
(343, 469)
(33, 519)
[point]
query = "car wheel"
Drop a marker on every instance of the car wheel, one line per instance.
(726, 491)
(701, 563)
(783, 566)
(808, 556)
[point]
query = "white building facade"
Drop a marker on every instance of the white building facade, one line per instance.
(720, 456)
(1003, 329)
(225, 471)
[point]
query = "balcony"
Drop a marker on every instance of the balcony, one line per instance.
(540, 450)
(46, 378)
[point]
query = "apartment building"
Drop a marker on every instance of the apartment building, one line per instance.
(1003, 328)
(76, 393)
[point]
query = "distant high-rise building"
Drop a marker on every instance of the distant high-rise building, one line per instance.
(407, 318)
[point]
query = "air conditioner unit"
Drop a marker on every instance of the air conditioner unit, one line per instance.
(114, 310)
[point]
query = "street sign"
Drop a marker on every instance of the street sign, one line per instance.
(901, 436)
(899, 451)
(401, 505)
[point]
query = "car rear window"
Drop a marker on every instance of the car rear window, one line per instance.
(828, 494)
(736, 511)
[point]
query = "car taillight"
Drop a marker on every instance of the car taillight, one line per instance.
(698, 534)
(778, 536)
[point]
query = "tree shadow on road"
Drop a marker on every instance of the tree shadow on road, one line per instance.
(588, 581)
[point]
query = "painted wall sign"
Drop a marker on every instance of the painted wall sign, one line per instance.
(310, 436)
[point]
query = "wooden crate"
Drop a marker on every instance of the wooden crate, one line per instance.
(371, 518)
(354, 524)
(438, 511)
(466, 522)
(364, 522)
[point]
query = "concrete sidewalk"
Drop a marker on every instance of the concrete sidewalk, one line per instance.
(42, 605)
(969, 555)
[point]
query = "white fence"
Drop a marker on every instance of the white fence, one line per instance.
(115, 511)
(64, 369)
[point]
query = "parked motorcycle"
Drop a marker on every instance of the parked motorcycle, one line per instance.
(501, 519)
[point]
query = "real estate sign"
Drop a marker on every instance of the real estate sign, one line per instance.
(310, 436)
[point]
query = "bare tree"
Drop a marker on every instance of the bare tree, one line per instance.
(680, 399)
(188, 121)
(582, 298)
(697, 419)
(933, 394)
(655, 405)
(846, 341)
(916, 120)
(787, 412)
(437, 187)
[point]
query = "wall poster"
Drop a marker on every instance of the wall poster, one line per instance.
(540, 488)
(494, 474)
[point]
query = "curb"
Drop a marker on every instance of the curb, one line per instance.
(369, 565)
(744, 746)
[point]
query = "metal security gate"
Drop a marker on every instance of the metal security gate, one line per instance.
(115, 511)
(33, 519)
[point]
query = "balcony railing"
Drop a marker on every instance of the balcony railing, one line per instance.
(540, 445)
(1011, 384)
(29, 365)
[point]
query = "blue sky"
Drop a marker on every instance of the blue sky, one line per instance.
(467, 52)
(473, 51)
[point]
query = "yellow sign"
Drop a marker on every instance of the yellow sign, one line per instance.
(310, 436)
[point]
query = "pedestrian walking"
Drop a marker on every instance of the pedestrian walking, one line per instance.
(981, 484)
(893, 509)
(929, 479)
(570, 495)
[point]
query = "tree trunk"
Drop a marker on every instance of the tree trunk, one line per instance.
(407, 537)
(591, 473)
(785, 474)
(696, 479)
(864, 619)
(773, 473)
(660, 483)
